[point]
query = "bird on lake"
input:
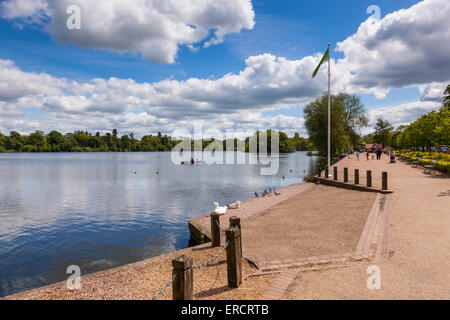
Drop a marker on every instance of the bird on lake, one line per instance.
(257, 195)
(277, 193)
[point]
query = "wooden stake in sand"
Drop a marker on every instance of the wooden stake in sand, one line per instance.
(234, 260)
(182, 286)
(215, 229)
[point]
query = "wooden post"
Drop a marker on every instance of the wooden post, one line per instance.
(326, 173)
(215, 230)
(345, 174)
(182, 286)
(384, 179)
(369, 178)
(335, 173)
(234, 261)
(356, 176)
(235, 222)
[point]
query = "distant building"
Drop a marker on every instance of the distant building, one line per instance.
(371, 147)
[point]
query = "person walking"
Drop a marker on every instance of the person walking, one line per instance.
(357, 155)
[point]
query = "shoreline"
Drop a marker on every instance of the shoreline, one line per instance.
(324, 236)
(270, 201)
(200, 227)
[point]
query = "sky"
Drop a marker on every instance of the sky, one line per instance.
(147, 66)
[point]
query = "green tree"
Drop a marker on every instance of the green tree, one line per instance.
(263, 142)
(447, 96)
(430, 130)
(126, 143)
(95, 143)
(36, 142)
(15, 142)
(55, 141)
(301, 144)
(348, 115)
(442, 129)
(383, 132)
(2, 143)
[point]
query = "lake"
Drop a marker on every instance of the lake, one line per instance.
(102, 210)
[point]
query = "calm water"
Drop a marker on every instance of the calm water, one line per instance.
(101, 210)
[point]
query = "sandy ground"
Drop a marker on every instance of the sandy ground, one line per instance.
(143, 280)
(320, 221)
(250, 207)
(419, 244)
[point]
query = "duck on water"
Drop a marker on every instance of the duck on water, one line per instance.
(191, 162)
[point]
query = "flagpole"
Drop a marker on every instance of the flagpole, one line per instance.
(329, 111)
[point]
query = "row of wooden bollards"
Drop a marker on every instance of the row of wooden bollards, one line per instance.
(183, 270)
(384, 177)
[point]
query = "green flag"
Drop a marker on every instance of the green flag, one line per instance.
(326, 56)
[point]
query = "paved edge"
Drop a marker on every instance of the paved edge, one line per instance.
(382, 253)
(278, 288)
(340, 184)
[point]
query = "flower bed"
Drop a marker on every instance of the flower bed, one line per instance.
(440, 161)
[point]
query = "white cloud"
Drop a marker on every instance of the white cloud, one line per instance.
(15, 84)
(407, 47)
(24, 9)
(433, 91)
(153, 28)
(381, 55)
(265, 83)
(403, 113)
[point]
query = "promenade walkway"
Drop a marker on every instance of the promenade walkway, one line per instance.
(418, 262)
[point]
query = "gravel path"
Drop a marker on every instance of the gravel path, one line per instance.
(143, 280)
(320, 221)
(419, 244)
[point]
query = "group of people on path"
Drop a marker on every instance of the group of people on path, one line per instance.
(378, 153)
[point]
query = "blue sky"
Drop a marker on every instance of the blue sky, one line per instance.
(285, 28)
(290, 29)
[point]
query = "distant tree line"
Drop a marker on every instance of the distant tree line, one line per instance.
(430, 130)
(83, 141)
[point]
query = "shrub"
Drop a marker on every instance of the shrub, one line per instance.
(440, 161)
